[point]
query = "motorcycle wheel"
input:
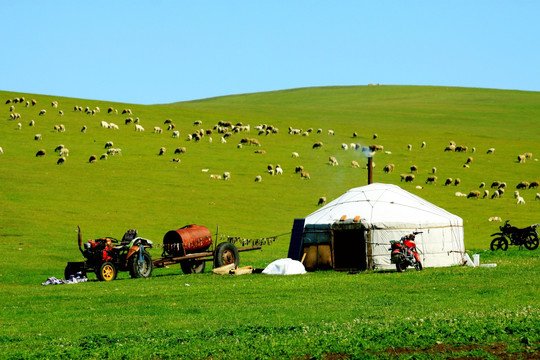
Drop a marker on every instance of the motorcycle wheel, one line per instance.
(531, 243)
(401, 266)
(418, 266)
(140, 269)
(499, 243)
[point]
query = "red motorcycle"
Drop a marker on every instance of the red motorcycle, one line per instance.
(404, 253)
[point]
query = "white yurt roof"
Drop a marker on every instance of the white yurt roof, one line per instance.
(383, 206)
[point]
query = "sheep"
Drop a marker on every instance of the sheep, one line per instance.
(469, 160)
(41, 152)
(486, 194)
(113, 126)
(176, 134)
(42, 112)
(537, 196)
(330, 132)
(355, 164)
(409, 178)
(83, 129)
(61, 161)
(162, 151)
(434, 170)
(299, 169)
(104, 124)
(109, 144)
(457, 181)
(459, 194)
(423, 144)
(466, 166)
(375, 135)
(388, 168)
(279, 170)
(157, 130)
(258, 178)
(333, 161)
(521, 158)
(226, 175)
(92, 159)
(176, 160)
(523, 185)
(295, 154)
(319, 131)
(461, 148)
(502, 185)
(482, 185)
(495, 194)
(127, 111)
(450, 148)
(432, 179)
(19, 126)
(138, 127)
(305, 175)
(528, 155)
(534, 185)
(197, 123)
(260, 151)
(128, 121)
(180, 150)
(34, 102)
(495, 218)
(376, 147)
(419, 187)
(345, 146)
(520, 200)
(1, 151)
(490, 150)
(403, 176)
(64, 152)
(61, 112)
(414, 169)
(474, 194)
(215, 176)
(37, 137)
(495, 184)
(54, 104)
(409, 147)
(104, 156)
(322, 201)
(448, 181)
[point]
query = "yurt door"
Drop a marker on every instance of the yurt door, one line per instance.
(349, 249)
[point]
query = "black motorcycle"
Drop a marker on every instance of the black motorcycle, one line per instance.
(512, 235)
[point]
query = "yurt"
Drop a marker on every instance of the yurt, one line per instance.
(353, 232)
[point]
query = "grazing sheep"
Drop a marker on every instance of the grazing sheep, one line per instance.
(279, 170)
(19, 126)
(41, 152)
(521, 158)
(83, 130)
(92, 159)
(523, 185)
(520, 200)
(197, 123)
(459, 194)
(495, 184)
(491, 150)
(226, 175)
(260, 151)
(409, 178)
(457, 181)
(528, 155)
(317, 145)
(448, 181)
(495, 194)
(104, 124)
(128, 121)
(533, 185)
(495, 218)
(37, 137)
(61, 160)
(486, 194)
(167, 121)
(461, 148)
(403, 176)
(409, 147)
(109, 144)
(295, 155)
(450, 148)
(305, 175)
(432, 179)
(469, 160)
(34, 102)
(414, 169)
(215, 176)
(419, 187)
(104, 157)
(466, 166)
(32, 123)
(434, 170)
(482, 185)
(64, 152)
(388, 168)
(113, 126)
(423, 144)
(330, 132)
(61, 112)
(502, 185)
(258, 178)
(474, 194)
(42, 112)
(162, 151)
(537, 196)
(157, 130)
(59, 148)
(322, 201)
(355, 164)
(180, 150)
(299, 169)
(176, 160)
(333, 161)
(1, 150)
(138, 127)
(176, 134)
(171, 127)
(375, 136)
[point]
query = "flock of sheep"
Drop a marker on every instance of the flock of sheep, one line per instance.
(226, 130)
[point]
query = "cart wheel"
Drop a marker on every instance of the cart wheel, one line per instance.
(140, 269)
(73, 269)
(192, 266)
(106, 272)
(226, 253)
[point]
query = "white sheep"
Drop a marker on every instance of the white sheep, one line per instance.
(64, 152)
(258, 178)
(536, 198)
(226, 175)
(520, 200)
(138, 127)
(19, 126)
(157, 130)
(113, 126)
(495, 218)
(1, 150)
(333, 161)
(345, 146)
(104, 124)
(295, 154)
(409, 147)
(279, 170)
(176, 134)
(459, 194)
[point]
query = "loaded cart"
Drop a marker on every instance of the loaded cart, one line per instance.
(190, 246)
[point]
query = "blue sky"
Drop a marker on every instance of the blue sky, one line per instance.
(150, 52)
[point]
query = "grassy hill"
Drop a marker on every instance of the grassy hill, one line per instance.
(42, 202)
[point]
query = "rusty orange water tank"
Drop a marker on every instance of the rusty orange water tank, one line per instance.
(187, 240)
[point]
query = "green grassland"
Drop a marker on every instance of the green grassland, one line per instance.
(459, 311)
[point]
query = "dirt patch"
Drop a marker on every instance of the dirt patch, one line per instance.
(499, 350)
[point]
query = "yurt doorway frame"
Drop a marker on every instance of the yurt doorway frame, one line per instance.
(349, 247)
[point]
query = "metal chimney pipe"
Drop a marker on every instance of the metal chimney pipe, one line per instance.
(370, 169)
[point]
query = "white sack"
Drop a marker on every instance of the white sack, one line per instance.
(285, 267)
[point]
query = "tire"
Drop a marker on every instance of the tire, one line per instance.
(140, 269)
(532, 242)
(499, 243)
(193, 266)
(225, 254)
(418, 266)
(106, 272)
(401, 266)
